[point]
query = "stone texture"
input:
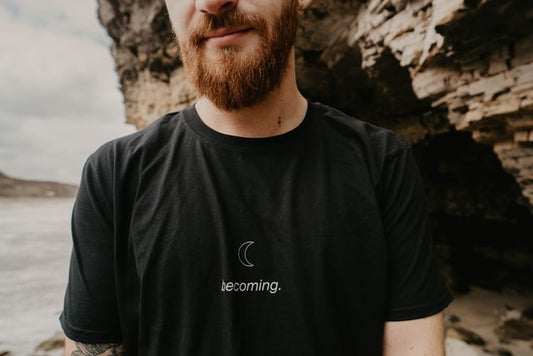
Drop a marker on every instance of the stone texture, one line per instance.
(491, 323)
(520, 329)
(472, 59)
(468, 336)
(150, 72)
(53, 346)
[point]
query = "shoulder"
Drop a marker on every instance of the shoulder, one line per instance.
(378, 142)
(152, 138)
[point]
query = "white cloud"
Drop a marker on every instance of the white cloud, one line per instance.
(59, 97)
(50, 71)
(72, 16)
(56, 149)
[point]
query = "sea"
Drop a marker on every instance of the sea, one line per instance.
(35, 247)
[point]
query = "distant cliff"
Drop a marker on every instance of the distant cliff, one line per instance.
(15, 188)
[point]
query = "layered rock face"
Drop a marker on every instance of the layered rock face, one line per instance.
(454, 77)
(428, 65)
(150, 72)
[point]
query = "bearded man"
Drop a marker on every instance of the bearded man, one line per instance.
(254, 222)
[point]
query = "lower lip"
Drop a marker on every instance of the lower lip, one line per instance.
(227, 40)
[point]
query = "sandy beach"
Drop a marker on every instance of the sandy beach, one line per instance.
(485, 322)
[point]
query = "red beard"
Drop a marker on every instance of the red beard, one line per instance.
(234, 81)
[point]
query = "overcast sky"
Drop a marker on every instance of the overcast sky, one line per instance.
(59, 96)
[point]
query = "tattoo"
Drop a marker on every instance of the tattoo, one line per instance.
(98, 350)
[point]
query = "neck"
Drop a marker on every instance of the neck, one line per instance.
(279, 112)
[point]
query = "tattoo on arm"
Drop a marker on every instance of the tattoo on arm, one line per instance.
(98, 350)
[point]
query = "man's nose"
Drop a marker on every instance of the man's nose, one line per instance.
(215, 7)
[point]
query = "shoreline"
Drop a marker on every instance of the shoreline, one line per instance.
(17, 188)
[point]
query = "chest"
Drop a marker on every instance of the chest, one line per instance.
(216, 215)
(256, 242)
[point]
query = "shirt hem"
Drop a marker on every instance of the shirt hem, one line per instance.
(418, 312)
(87, 336)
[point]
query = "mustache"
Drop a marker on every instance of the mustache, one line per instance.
(231, 19)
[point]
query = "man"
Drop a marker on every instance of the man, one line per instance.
(255, 222)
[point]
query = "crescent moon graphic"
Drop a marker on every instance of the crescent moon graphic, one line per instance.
(243, 249)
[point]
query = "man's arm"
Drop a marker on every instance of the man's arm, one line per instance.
(73, 348)
(418, 337)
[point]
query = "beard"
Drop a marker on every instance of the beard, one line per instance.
(234, 80)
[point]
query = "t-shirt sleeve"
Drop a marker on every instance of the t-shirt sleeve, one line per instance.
(90, 307)
(415, 287)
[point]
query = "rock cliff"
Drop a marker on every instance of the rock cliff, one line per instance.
(19, 188)
(454, 77)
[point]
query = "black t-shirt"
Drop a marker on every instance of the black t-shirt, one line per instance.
(191, 242)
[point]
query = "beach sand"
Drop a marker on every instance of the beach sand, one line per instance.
(485, 322)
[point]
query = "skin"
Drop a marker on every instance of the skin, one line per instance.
(73, 348)
(420, 337)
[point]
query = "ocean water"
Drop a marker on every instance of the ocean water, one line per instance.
(34, 253)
